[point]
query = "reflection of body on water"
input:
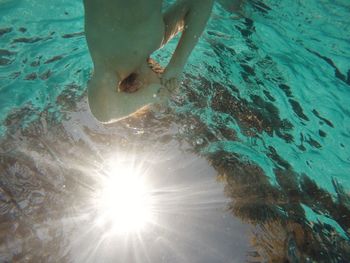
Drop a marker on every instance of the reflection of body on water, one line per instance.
(189, 205)
(278, 236)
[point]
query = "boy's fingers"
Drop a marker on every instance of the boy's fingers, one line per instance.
(172, 85)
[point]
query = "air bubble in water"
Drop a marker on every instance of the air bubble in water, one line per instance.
(182, 129)
(199, 141)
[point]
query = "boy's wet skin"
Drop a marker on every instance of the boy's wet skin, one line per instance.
(121, 35)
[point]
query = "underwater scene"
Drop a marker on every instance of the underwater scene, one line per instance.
(250, 162)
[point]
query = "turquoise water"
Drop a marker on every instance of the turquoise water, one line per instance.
(264, 101)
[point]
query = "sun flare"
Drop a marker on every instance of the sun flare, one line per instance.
(125, 201)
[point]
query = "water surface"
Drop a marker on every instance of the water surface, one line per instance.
(254, 155)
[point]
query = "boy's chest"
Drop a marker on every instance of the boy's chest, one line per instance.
(121, 13)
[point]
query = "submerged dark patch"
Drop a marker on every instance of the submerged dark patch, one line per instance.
(72, 35)
(53, 59)
(260, 6)
(27, 40)
(298, 109)
(4, 31)
(317, 114)
(330, 62)
(5, 61)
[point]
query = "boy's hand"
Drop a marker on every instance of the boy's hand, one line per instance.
(171, 79)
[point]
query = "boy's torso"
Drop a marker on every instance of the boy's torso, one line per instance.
(119, 30)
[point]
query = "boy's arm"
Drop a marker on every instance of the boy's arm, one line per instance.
(195, 21)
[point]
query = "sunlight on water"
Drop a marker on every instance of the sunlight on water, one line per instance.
(137, 205)
(125, 200)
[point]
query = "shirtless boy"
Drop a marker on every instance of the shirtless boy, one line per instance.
(121, 35)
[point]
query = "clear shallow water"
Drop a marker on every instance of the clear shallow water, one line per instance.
(264, 103)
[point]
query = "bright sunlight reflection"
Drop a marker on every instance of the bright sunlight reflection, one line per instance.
(125, 202)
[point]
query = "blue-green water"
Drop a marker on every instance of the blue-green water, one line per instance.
(264, 101)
